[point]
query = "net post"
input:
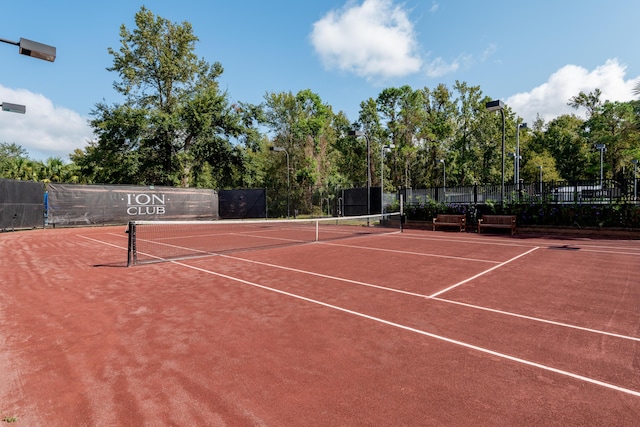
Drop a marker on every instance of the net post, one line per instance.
(317, 230)
(131, 244)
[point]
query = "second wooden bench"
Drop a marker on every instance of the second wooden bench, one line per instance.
(449, 220)
(497, 221)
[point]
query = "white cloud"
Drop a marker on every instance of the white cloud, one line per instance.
(439, 67)
(375, 40)
(549, 100)
(488, 52)
(45, 130)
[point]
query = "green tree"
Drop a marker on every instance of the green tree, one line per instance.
(469, 146)
(402, 115)
(572, 152)
(54, 169)
(8, 155)
(174, 123)
(347, 156)
(303, 125)
(535, 153)
(618, 130)
(530, 171)
(354, 149)
(614, 124)
(22, 168)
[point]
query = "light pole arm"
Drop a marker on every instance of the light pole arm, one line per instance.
(9, 42)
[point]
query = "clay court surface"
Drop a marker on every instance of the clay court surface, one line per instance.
(416, 329)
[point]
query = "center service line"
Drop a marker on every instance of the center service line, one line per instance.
(482, 273)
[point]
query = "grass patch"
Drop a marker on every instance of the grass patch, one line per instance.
(8, 419)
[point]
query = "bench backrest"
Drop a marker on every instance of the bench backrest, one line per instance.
(499, 219)
(451, 218)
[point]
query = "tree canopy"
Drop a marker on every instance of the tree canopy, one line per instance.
(174, 123)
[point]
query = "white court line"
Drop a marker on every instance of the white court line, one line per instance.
(536, 319)
(481, 273)
(421, 332)
(325, 276)
(549, 244)
(409, 252)
(477, 241)
(600, 251)
(103, 242)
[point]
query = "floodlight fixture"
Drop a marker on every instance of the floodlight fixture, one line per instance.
(13, 108)
(494, 105)
(34, 49)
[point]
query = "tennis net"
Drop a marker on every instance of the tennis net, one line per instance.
(157, 241)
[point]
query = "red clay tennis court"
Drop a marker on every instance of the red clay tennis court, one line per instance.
(413, 328)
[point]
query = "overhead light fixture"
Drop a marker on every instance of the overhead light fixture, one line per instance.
(13, 108)
(34, 49)
(494, 105)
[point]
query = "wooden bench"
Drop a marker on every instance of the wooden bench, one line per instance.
(497, 221)
(450, 221)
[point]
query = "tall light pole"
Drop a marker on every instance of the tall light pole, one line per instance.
(382, 150)
(515, 167)
(602, 148)
(499, 106)
(34, 49)
(518, 157)
(281, 149)
(366, 137)
(540, 167)
(444, 178)
(635, 178)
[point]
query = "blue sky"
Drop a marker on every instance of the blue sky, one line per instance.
(534, 55)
